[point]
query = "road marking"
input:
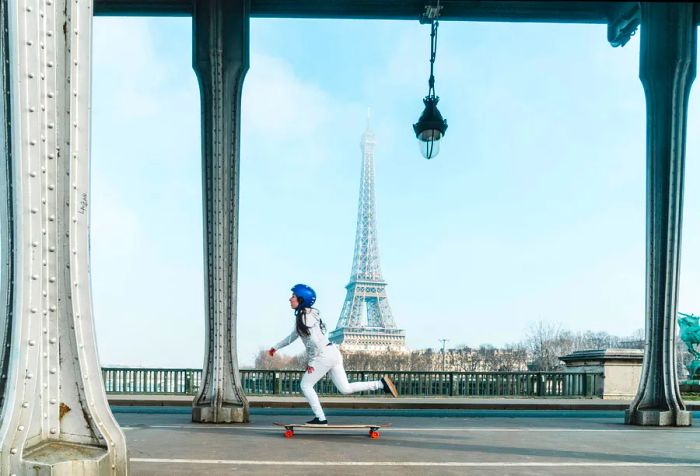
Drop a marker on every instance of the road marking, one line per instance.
(409, 463)
(418, 430)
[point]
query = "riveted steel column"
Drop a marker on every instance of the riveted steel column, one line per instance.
(221, 62)
(667, 70)
(55, 418)
(6, 207)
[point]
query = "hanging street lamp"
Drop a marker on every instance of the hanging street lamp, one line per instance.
(431, 127)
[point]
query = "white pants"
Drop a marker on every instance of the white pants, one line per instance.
(331, 361)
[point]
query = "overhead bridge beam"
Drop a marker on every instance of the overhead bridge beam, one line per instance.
(510, 11)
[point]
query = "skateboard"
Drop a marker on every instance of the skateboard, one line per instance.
(289, 428)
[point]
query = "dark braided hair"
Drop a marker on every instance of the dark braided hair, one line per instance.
(300, 312)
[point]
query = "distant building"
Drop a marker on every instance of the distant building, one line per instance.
(468, 359)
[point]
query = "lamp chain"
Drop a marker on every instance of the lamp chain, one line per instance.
(432, 13)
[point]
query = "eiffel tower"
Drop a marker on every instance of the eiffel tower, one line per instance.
(366, 323)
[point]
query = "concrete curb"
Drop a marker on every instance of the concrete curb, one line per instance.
(400, 403)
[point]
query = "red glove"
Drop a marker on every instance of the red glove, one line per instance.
(271, 352)
(309, 369)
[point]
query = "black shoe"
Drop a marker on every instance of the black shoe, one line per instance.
(389, 386)
(317, 422)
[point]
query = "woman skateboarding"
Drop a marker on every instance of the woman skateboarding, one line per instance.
(322, 356)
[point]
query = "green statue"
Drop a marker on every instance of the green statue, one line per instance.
(690, 334)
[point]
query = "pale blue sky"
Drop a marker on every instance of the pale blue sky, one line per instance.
(534, 209)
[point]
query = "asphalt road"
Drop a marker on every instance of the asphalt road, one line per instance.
(419, 442)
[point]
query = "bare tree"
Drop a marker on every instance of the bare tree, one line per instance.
(546, 343)
(279, 362)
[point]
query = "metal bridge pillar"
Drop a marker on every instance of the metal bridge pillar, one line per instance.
(54, 416)
(220, 51)
(667, 70)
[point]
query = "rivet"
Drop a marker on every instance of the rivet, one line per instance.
(53, 401)
(35, 277)
(32, 142)
(51, 156)
(50, 127)
(52, 248)
(25, 405)
(52, 218)
(44, 312)
(75, 62)
(50, 64)
(29, 376)
(32, 174)
(29, 42)
(52, 308)
(50, 95)
(32, 342)
(49, 33)
(53, 371)
(35, 244)
(52, 186)
(52, 279)
(33, 310)
(13, 451)
(31, 109)
(20, 428)
(29, 9)
(31, 75)
(52, 340)
(34, 210)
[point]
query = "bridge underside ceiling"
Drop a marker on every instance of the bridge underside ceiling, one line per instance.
(506, 11)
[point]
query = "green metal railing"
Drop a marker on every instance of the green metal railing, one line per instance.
(411, 384)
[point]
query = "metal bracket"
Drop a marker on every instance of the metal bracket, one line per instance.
(623, 23)
(430, 14)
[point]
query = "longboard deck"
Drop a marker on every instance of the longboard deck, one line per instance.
(304, 425)
(373, 429)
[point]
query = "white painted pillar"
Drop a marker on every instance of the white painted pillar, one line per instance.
(55, 418)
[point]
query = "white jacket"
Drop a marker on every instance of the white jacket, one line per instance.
(315, 342)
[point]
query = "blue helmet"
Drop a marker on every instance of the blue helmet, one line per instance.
(306, 293)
